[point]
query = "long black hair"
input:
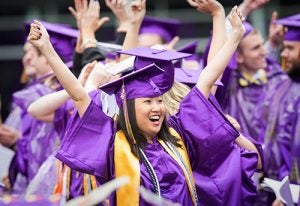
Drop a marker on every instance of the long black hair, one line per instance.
(140, 140)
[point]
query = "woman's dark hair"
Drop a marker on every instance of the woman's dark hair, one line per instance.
(141, 141)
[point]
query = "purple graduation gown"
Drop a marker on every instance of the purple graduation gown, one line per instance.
(64, 115)
(280, 127)
(38, 140)
(207, 135)
(241, 101)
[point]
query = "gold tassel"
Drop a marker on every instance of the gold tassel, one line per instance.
(94, 182)
(58, 186)
(68, 171)
(85, 186)
(283, 63)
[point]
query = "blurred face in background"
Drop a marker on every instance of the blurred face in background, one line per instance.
(41, 65)
(149, 39)
(291, 55)
(251, 54)
(30, 53)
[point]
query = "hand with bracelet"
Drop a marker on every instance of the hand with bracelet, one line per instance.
(90, 23)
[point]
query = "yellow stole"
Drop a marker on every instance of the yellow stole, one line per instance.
(126, 164)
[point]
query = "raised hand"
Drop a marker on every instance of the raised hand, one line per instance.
(137, 11)
(85, 72)
(234, 122)
(171, 45)
(91, 20)
(249, 6)
(98, 76)
(236, 20)
(80, 8)
(38, 35)
(118, 7)
(8, 136)
(211, 7)
(276, 31)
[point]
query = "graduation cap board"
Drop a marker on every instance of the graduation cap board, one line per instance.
(292, 23)
(144, 56)
(137, 84)
(161, 57)
(166, 28)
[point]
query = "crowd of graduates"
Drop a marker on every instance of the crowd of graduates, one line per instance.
(190, 129)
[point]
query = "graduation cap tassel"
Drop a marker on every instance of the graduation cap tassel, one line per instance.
(126, 117)
(283, 63)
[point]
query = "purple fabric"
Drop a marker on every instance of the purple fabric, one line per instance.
(62, 116)
(166, 28)
(280, 125)
(241, 101)
(169, 174)
(62, 37)
(292, 23)
(220, 167)
(151, 81)
(145, 56)
(38, 139)
(209, 145)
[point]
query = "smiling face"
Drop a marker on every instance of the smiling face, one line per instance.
(291, 55)
(251, 55)
(150, 114)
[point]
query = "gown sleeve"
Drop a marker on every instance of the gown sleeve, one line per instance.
(204, 129)
(220, 167)
(88, 143)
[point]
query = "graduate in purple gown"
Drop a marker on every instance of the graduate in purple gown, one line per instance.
(143, 146)
(245, 85)
(281, 120)
(61, 179)
(38, 139)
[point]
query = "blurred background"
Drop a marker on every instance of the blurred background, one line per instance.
(193, 26)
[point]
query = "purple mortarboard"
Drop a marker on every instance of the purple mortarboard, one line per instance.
(146, 56)
(190, 48)
(137, 84)
(62, 37)
(151, 62)
(292, 23)
(111, 55)
(190, 77)
(166, 28)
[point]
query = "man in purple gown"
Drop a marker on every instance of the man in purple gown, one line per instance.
(249, 76)
(280, 122)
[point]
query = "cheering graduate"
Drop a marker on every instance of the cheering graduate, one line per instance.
(157, 154)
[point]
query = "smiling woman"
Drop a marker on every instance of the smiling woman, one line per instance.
(164, 157)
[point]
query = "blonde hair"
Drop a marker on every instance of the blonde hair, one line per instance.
(174, 96)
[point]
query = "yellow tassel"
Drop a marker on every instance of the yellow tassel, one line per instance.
(85, 186)
(58, 186)
(68, 170)
(94, 182)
